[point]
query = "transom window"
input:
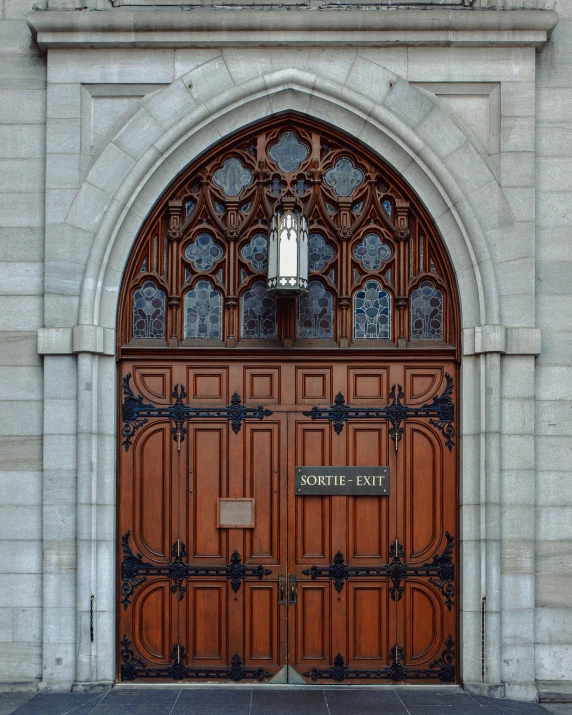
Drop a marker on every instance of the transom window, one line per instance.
(379, 274)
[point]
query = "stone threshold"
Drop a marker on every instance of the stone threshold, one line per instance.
(175, 28)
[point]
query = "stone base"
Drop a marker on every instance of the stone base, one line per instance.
(24, 686)
(100, 687)
(488, 690)
(554, 691)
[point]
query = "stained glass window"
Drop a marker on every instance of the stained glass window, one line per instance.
(343, 177)
(320, 252)
(372, 312)
(189, 206)
(388, 207)
(372, 252)
(289, 153)
(255, 252)
(427, 312)
(258, 310)
(232, 177)
(149, 311)
(203, 252)
(203, 312)
(316, 313)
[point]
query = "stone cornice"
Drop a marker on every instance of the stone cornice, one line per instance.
(173, 28)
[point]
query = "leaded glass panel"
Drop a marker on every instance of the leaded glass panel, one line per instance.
(320, 252)
(427, 312)
(344, 177)
(203, 252)
(372, 312)
(372, 252)
(289, 153)
(203, 312)
(255, 252)
(232, 177)
(258, 308)
(387, 207)
(316, 313)
(149, 311)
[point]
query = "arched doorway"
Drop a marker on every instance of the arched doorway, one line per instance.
(225, 573)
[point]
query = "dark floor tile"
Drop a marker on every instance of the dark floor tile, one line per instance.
(364, 702)
(499, 705)
(11, 701)
(59, 703)
(434, 698)
(214, 702)
(449, 710)
(288, 702)
(138, 702)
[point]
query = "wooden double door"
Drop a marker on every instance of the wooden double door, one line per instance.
(321, 589)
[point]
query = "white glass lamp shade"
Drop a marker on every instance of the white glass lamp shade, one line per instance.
(288, 253)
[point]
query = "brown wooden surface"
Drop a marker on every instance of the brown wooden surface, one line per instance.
(165, 495)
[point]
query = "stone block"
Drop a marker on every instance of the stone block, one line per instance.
(64, 101)
(518, 99)
(21, 454)
(64, 242)
(334, 114)
(20, 555)
(21, 210)
(88, 207)
(441, 133)
(27, 625)
(63, 136)
(553, 140)
(554, 173)
(60, 486)
(385, 146)
(6, 625)
(60, 377)
(491, 207)
(21, 488)
(517, 487)
(58, 204)
(556, 348)
(517, 168)
(20, 418)
(60, 520)
(554, 104)
(63, 171)
(373, 81)
(517, 134)
(22, 312)
(468, 169)
(171, 104)
(188, 60)
(59, 625)
(22, 141)
(554, 523)
(20, 662)
(554, 453)
(233, 121)
(59, 563)
(517, 277)
(22, 243)
(289, 99)
(554, 69)
(110, 169)
(245, 64)
(18, 383)
(208, 80)
(22, 175)
(59, 452)
(15, 38)
(517, 416)
(23, 590)
(517, 452)
(111, 66)
(517, 528)
(138, 134)
(26, 106)
(553, 417)
(60, 417)
(471, 64)
(554, 209)
(521, 202)
(17, 278)
(393, 59)
(553, 383)
(518, 626)
(512, 242)
(25, 72)
(553, 662)
(332, 63)
(407, 103)
(517, 308)
(553, 488)
(523, 341)
(288, 58)
(517, 591)
(20, 522)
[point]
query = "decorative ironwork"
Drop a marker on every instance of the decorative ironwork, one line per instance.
(441, 411)
(440, 669)
(136, 412)
(134, 570)
(441, 571)
(133, 667)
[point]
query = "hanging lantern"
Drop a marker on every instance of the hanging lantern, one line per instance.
(288, 253)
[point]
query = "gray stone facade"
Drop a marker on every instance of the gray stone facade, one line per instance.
(100, 109)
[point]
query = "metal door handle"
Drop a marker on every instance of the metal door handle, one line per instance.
(293, 590)
(281, 590)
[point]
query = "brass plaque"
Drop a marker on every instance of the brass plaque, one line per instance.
(352, 481)
(235, 514)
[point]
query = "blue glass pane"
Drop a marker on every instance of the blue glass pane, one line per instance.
(372, 312)
(343, 177)
(258, 309)
(316, 313)
(255, 252)
(203, 312)
(388, 207)
(149, 311)
(320, 253)
(289, 153)
(189, 206)
(371, 252)
(232, 177)
(427, 312)
(203, 252)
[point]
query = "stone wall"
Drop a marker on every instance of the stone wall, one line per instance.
(22, 171)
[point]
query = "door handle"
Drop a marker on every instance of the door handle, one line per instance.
(281, 590)
(293, 595)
